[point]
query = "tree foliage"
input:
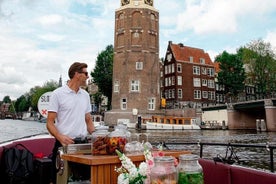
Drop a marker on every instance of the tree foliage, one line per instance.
(261, 65)
(231, 74)
(98, 98)
(102, 73)
(22, 103)
(37, 91)
(7, 99)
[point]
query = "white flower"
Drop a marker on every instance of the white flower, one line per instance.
(143, 168)
(123, 178)
(133, 173)
(128, 171)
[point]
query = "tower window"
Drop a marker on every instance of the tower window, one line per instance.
(124, 104)
(151, 104)
(116, 87)
(139, 65)
(135, 86)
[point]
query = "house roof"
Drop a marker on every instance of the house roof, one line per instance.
(183, 53)
(217, 68)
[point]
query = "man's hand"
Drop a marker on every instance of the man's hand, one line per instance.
(64, 140)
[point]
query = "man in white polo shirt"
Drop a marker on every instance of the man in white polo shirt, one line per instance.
(69, 111)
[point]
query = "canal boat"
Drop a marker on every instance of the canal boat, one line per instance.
(171, 123)
(41, 146)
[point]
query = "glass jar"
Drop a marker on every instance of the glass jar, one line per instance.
(189, 171)
(117, 140)
(163, 170)
(100, 140)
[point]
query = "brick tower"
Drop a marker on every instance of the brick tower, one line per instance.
(136, 62)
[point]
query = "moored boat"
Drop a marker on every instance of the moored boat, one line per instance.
(171, 123)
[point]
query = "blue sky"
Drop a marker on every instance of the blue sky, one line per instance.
(40, 39)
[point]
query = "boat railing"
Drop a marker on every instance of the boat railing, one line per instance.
(267, 146)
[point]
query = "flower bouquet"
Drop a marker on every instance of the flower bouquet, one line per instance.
(129, 173)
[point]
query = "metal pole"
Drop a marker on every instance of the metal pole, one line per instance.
(271, 160)
(201, 150)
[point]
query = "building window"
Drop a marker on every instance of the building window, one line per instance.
(191, 59)
(179, 80)
(173, 68)
(173, 91)
(204, 82)
(139, 65)
(170, 81)
(116, 87)
(211, 95)
(179, 93)
(151, 104)
(197, 82)
(170, 93)
(203, 71)
(204, 94)
(211, 84)
(124, 104)
(134, 86)
(210, 72)
(166, 69)
(173, 80)
(179, 68)
(196, 70)
(169, 68)
(169, 57)
(197, 94)
(202, 60)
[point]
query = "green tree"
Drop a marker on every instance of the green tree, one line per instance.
(7, 99)
(261, 65)
(98, 98)
(231, 74)
(37, 91)
(102, 73)
(22, 104)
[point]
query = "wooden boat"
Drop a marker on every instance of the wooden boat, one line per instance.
(102, 167)
(171, 123)
(212, 125)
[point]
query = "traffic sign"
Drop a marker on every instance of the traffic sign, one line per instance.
(43, 104)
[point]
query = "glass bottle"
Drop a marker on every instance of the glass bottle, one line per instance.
(100, 140)
(163, 170)
(117, 140)
(189, 170)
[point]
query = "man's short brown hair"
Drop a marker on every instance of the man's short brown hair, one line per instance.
(76, 67)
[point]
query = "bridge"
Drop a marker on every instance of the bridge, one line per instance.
(244, 115)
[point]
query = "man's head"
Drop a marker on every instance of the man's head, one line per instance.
(77, 67)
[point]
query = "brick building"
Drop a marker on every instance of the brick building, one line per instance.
(188, 77)
(136, 89)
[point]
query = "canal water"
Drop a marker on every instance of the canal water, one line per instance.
(176, 139)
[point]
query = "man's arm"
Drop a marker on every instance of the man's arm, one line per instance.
(89, 123)
(63, 139)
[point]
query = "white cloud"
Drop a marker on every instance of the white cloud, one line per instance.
(40, 39)
(271, 38)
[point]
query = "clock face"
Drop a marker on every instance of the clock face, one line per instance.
(124, 2)
(149, 2)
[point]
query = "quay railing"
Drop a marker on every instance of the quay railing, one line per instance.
(231, 154)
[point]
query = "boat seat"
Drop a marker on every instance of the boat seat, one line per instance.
(241, 175)
(42, 146)
(220, 173)
(215, 172)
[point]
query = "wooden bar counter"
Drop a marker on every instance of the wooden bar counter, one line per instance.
(103, 167)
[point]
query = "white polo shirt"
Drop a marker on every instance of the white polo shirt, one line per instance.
(71, 108)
